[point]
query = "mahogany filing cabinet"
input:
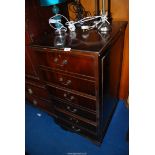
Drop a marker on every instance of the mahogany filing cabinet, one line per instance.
(78, 80)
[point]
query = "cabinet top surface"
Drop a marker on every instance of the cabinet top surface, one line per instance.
(92, 40)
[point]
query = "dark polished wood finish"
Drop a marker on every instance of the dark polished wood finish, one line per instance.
(82, 85)
(68, 81)
(69, 96)
(79, 87)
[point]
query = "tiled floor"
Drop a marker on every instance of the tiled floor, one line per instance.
(44, 137)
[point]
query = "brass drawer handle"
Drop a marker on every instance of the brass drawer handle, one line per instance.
(64, 62)
(56, 60)
(66, 95)
(60, 79)
(65, 83)
(76, 129)
(35, 102)
(71, 110)
(72, 98)
(74, 120)
(30, 91)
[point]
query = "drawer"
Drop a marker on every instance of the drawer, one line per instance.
(43, 104)
(35, 81)
(70, 97)
(36, 90)
(76, 121)
(75, 128)
(73, 110)
(67, 61)
(64, 80)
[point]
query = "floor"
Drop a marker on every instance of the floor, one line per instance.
(44, 137)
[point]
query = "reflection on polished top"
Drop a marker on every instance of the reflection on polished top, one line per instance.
(91, 40)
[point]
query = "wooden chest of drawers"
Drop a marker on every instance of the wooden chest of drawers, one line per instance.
(80, 85)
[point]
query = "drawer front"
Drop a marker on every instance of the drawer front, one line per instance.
(70, 82)
(73, 98)
(46, 105)
(67, 61)
(72, 110)
(75, 128)
(37, 90)
(76, 121)
(35, 81)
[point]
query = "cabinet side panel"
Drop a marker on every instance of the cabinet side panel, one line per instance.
(115, 66)
(110, 73)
